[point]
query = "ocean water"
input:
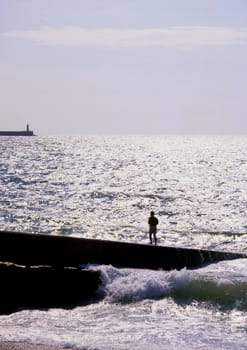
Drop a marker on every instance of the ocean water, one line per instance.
(104, 187)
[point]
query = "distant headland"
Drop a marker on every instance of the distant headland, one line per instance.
(26, 132)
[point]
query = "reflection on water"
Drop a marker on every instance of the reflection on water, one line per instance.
(105, 187)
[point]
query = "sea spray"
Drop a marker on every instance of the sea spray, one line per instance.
(184, 286)
(129, 285)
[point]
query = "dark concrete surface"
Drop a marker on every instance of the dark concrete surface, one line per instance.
(40, 249)
(45, 287)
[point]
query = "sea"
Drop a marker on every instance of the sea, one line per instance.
(104, 187)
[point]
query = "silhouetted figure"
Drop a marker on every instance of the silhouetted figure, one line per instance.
(153, 222)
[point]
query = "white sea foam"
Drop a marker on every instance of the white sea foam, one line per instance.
(223, 284)
(230, 271)
(129, 285)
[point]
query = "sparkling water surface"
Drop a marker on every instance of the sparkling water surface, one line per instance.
(104, 187)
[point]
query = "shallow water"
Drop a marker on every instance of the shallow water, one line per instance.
(104, 187)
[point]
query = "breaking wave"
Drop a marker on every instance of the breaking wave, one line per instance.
(184, 286)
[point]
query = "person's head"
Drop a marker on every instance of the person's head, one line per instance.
(152, 213)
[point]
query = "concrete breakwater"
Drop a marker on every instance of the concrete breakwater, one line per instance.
(26, 132)
(59, 251)
(43, 271)
(45, 287)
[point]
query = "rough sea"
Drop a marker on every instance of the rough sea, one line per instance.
(105, 187)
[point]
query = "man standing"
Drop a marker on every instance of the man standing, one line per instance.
(153, 222)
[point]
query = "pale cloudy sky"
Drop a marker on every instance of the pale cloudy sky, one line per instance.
(124, 66)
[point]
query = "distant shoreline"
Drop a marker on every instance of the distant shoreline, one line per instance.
(26, 132)
(16, 133)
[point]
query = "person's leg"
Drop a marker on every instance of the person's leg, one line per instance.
(155, 238)
(150, 236)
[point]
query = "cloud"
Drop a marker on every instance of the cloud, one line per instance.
(177, 37)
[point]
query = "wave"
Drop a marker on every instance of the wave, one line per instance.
(184, 287)
(224, 295)
(127, 285)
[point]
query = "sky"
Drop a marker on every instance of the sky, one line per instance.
(124, 66)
